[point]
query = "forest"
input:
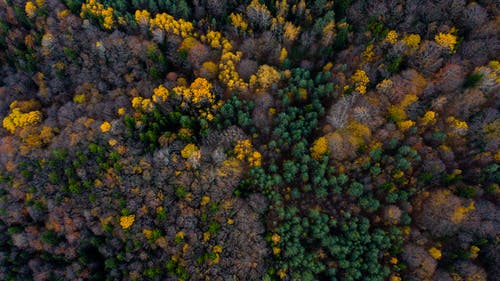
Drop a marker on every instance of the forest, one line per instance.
(250, 140)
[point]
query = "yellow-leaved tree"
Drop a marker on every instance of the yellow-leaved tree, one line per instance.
(266, 77)
(319, 148)
(21, 116)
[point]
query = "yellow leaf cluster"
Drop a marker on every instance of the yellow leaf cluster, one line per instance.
(204, 200)
(395, 277)
(408, 99)
(35, 137)
(327, 66)
(368, 54)
(238, 21)
(19, 118)
(226, 45)
(185, 133)
(291, 32)
(266, 76)
(429, 117)
(302, 93)
(411, 41)
(112, 142)
(169, 24)
(276, 250)
(495, 65)
(396, 112)
(199, 91)
(160, 94)
(398, 174)
(179, 235)
(105, 126)
(79, 98)
(360, 80)
(142, 17)
(328, 33)
(435, 253)
(214, 38)
(255, 159)
(127, 221)
(392, 37)
(458, 127)
(276, 238)
(136, 102)
(243, 148)
(206, 236)
(358, 132)
(229, 167)
(245, 151)
(140, 103)
(319, 148)
(283, 54)
(46, 134)
(148, 233)
(405, 125)
(185, 247)
(343, 25)
(461, 211)
(282, 273)
(217, 250)
(205, 113)
(95, 9)
(40, 3)
(30, 9)
(190, 150)
(384, 85)
(228, 74)
(30, 41)
(63, 14)
(473, 251)
(446, 40)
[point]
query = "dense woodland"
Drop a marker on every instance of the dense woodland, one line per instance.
(249, 140)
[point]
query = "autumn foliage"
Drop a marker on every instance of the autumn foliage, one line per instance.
(249, 140)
